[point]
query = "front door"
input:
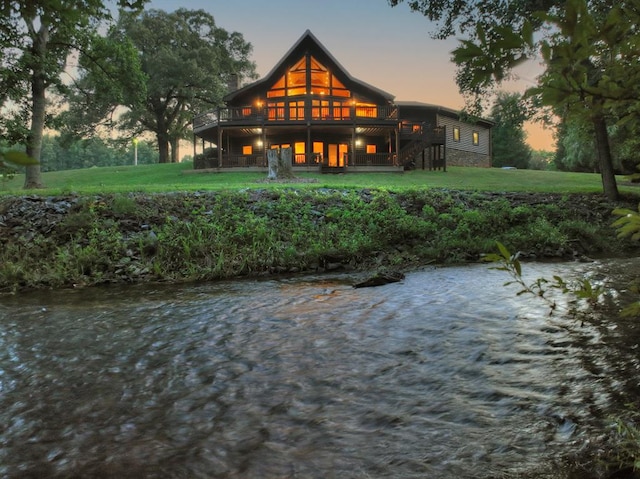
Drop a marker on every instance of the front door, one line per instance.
(337, 154)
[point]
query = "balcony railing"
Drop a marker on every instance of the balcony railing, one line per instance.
(252, 115)
(417, 131)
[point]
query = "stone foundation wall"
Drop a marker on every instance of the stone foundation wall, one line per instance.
(467, 158)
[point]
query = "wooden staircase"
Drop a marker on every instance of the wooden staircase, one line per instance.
(420, 140)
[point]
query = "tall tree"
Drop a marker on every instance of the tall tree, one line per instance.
(187, 61)
(111, 75)
(509, 138)
(576, 147)
(590, 49)
(36, 38)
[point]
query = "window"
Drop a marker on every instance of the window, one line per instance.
(299, 152)
(294, 81)
(247, 150)
(366, 110)
(296, 110)
(318, 149)
(276, 110)
(338, 89)
(320, 109)
(372, 149)
(476, 138)
(456, 133)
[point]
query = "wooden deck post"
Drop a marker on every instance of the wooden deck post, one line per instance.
(397, 145)
(308, 157)
(219, 146)
(353, 146)
(264, 145)
(444, 158)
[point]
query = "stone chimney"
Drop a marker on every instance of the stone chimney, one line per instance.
(233, 82)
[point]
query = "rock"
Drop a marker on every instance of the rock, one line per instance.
(380, 279)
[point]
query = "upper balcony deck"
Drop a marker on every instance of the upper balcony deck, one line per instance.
(251, 116)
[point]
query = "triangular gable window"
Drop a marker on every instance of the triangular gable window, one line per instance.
(294, 81)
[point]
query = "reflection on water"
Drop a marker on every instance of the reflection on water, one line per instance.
(447, 374)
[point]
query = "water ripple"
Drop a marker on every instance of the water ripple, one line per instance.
(447, 374)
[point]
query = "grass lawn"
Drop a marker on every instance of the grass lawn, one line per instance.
(170, 177)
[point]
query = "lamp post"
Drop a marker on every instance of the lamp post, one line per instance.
(135, 151)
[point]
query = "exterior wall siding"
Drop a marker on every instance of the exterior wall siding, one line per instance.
(464, 152)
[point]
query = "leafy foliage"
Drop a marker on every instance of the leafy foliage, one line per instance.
(509, 145)
(16, 158)
(186, 61)
(10, 159)
(220, 234)
(589, 49)
(628, 224)
(582, 288)
(36, 40)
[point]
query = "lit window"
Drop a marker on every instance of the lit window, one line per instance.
(476, 138)
(299, 152)
(247, 150)
(456, 133)
(318, 148)
(296, 110)
(294, 81)
(366, 110)
(320, 109)
(371, 149)
(276, 110)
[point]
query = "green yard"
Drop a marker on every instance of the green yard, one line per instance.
(179, 177)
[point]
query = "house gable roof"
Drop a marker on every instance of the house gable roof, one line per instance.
(444, 111)
(307, 43)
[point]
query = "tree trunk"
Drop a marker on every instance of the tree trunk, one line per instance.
(163, 147)
(175, 149)
(33, 178)
(605, 162)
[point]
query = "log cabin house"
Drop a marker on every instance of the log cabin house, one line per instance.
(333, 123)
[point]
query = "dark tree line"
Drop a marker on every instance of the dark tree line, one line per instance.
(59, 155)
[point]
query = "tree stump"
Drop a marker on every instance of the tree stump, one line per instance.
(280, 163)
(285, 165)
(272, 158)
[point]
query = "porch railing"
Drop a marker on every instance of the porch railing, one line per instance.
(415, 131)
(300, 160)
(373, 159)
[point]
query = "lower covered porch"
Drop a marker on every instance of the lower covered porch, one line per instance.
(324, 148)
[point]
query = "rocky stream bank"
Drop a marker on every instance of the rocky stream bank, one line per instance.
(76, 240)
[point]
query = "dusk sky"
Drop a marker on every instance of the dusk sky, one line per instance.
(387, 47)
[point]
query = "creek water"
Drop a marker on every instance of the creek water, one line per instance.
(448, 374)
